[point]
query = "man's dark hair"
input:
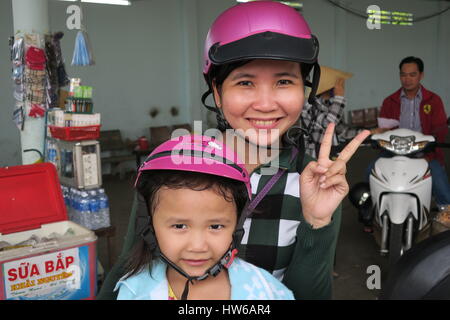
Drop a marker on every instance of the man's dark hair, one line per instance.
(412, 59)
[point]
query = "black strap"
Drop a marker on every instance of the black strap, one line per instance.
(314, 84)
(185, 293)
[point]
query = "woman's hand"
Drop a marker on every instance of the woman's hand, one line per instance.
(323, 184)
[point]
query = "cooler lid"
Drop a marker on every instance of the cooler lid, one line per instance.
(30, 196)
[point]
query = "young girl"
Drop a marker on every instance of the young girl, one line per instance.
(192, 192)
(258, 55)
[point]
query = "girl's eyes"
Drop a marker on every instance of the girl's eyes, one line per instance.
(217, 226)
(179, 226)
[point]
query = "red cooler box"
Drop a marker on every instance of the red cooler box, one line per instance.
(63, 266)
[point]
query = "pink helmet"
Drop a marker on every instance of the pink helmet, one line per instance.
(260, 29)
(197, 153)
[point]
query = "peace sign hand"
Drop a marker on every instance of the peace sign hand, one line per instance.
(323, 184)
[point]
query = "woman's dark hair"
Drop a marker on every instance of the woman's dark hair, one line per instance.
(150, 182)
(412, 59)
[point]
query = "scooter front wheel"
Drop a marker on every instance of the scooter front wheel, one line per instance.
(395, 243)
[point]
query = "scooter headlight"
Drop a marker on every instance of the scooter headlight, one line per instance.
(386, 145)
(419, 145)
(402, 145)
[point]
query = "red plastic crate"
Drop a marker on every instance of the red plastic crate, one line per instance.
(75, 133)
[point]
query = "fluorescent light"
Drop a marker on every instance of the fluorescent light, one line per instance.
(116, 2)
(294, 4)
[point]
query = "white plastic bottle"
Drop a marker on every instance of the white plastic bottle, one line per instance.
(104, 209)
(94, 206)
(84, 210)
(74, 203)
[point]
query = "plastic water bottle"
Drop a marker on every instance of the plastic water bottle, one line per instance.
(51, 153)
(66, 196)
(74, 200)
(94, 207)
(104, 208)
(83, 209)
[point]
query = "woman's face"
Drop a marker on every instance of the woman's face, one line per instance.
(264, 98)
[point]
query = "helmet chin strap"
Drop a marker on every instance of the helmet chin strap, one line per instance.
(224, 262)
(147, 232)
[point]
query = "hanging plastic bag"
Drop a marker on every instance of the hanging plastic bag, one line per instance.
(63, 78)
(82, 54)
(17, 56)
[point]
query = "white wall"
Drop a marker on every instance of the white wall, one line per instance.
(139, 62)
(374, 55)
(150, 55)
(9, 135)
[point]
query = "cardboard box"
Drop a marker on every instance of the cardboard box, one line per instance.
(31, 203)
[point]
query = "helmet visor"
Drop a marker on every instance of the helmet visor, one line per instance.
(266, 45)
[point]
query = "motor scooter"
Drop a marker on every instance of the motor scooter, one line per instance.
(398, 196)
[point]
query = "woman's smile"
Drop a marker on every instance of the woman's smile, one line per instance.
(264, 123)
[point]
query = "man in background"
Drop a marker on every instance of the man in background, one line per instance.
(416, 108)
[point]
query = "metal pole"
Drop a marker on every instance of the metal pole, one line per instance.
(31, 16)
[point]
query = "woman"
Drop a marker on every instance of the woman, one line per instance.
(257, 58)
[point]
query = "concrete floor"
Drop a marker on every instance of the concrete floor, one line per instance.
(356, 250)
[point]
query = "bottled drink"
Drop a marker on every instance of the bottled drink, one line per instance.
(83, 209)
(104, 208)
(51, 153)
(66, 196)
(74, 201)
(94, 207)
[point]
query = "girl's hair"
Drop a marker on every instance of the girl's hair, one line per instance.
(151, 182)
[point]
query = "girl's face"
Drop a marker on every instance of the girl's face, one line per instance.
(263, 97)
(194, 228)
